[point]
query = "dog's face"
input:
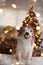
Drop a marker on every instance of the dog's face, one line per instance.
(27, 32)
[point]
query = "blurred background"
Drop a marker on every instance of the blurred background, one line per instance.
(13, 12)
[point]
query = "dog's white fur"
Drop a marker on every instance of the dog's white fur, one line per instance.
(25, 46)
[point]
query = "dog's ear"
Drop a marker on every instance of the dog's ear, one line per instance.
(33, 39)
(20, 32)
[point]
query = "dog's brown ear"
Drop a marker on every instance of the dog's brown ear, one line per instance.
(20, 32)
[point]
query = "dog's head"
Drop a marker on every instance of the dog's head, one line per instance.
(27, 32)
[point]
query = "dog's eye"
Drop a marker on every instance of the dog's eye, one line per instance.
(30, 30)
(23, 30)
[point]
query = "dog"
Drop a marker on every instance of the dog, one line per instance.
(24, 48)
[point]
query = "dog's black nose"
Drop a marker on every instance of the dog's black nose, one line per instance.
(27, 33)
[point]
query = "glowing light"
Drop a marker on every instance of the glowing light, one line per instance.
(27, 24)
(10, 50)
(18, 27)
(41, 54)
(17, 63)
(34, 45)
(38, 32)
(38, 14)
(27, 15)
(31, 6)
(1, 10)
(25, 21)
(13, 5)
(35, 0)
(39, 39)
(37, 27)
(6, 31)
(36, 36)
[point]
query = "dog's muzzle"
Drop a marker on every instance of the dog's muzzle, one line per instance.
(26, 35)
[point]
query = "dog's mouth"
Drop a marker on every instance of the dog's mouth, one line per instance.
(26, 36)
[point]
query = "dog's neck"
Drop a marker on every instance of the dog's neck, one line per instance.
(25, 41)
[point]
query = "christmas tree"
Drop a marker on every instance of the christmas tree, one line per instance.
(31, 19)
